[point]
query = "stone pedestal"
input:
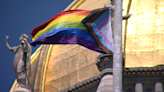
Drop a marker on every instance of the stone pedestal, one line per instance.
(105, 65)
(20, 90)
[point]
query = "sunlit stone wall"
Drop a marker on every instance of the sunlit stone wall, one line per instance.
(145, 33)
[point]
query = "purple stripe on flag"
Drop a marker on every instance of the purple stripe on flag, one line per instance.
(57, 39)
(98, 28)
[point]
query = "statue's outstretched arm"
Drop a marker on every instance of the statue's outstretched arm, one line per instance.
(8, 46)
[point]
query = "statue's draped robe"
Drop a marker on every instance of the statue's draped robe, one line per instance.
(21, 65)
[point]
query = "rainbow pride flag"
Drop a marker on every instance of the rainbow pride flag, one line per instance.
(89, 28)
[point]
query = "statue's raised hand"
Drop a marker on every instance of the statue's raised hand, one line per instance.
(7, 37)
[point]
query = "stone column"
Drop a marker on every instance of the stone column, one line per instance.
(158, 87)
(105, 65)
(138, 87)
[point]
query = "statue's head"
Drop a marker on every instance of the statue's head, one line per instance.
(24, 36)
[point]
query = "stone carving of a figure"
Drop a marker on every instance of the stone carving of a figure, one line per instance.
(22, 60)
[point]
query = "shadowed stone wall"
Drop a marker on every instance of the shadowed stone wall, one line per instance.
(69, 65)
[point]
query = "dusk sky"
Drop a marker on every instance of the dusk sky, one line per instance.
(18, 17)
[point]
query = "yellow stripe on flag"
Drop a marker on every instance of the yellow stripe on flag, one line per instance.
(74, 18)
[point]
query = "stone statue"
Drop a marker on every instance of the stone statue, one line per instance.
(22, 60)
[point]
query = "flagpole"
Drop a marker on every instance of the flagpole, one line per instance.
(117, 55)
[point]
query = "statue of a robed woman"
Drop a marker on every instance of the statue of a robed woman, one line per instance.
(22, 60)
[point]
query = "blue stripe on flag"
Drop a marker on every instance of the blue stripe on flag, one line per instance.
(68, 32)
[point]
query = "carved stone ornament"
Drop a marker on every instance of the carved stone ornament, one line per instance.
(104, 63)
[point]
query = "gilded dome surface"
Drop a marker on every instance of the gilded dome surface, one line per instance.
(66, 65)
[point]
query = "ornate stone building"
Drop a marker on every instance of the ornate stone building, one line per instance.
(73, 68)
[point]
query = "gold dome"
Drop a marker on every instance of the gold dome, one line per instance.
(62, 66)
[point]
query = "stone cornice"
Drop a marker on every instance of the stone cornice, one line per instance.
(152, 71)
(83, 84)
(127, 71)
